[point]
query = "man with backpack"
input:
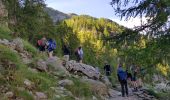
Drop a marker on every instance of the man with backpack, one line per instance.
(122, 77)
(79, 54)
(107, 69)
(66, 52)
(51, 46)
(42, 44)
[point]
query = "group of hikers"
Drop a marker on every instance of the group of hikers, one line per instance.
(125, 77)
(50, 45)
(129, 76)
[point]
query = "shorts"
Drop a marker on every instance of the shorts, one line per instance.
(50, 50)
(42, 48)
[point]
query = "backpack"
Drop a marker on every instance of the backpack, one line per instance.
(76, 52)
(39, 42)
(52, 44)
(122, 74)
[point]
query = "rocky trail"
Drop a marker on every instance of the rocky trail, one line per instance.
(85, 73)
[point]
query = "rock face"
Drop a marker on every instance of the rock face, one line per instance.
(57, 15)
(87, 70)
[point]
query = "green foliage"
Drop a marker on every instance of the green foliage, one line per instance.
(42, 81)
(7, 54)
(24, 94)
(30, 48)
(89, 33)
(5, 33)
(156, 12)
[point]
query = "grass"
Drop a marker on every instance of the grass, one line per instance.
(42, 81)
(4, 33)
(80, 89)
(30, 48)
(24, 94)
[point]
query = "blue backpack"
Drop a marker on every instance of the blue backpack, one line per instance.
(122, 74)
(52, 44)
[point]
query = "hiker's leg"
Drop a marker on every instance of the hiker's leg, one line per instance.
(136, 86)
(122, 86)
(51, 54)
(126, 88)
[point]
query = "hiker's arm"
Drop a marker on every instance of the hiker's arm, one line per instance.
(118, 77)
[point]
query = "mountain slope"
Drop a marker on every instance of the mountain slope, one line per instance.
(57, 15)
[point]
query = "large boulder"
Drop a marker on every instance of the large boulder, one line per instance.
(9, 94)
(56, 66)
(162, 87)
(19, 46)
(4, 42)
(65, 82)
(106, 80)
(40, 96)
(28, 84)
(87, 70)
(97, 87)
(42, 66)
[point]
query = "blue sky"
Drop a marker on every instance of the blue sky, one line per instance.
(95, 8)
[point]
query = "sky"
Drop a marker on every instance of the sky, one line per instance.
(95, 8)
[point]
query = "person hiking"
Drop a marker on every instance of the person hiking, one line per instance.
(79, 54)
(122, 77)
(134, 77)
(51, 46)
(66, 52)
(129, 77)
(42, 44)
(107, 69)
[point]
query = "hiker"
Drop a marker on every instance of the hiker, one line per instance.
(42, 44)
(107, 69)
(122, 77)
(51, 46)
(129, 77)
(79, 54)
(134, 77)
(139, 79)
(66, 52)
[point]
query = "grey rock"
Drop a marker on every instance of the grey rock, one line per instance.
(97, 87)
(114, 93)
(9, 94)
(56, 67)
(106, 81)
(28, 84)
(65, 82)
(41, 96)
(18, 44)
(42, 66)
(57, 15)
(82, 68)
